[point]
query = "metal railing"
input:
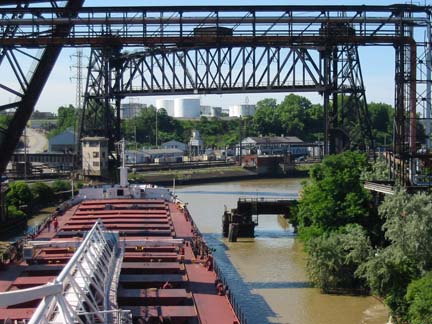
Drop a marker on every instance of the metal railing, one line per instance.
(231, 296)
(83, 282)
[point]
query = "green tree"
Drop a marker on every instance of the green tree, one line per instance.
(19, 194)
(378, 171)
(419, 298)
(408, 229)
(42, 193)
(292, 113)
(67, 117)
(334, 258)
(381, 117)
(388, 273)
(265, 120)
(334, 195)
(4, 120)
(61, 185)
(15, 212)
(168, 128)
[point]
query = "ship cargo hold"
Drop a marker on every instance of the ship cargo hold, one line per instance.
(116, 254)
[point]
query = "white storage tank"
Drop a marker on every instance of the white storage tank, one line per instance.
(187, 107)
(167, 104)
(241, 110)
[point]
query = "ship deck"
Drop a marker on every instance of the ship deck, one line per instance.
(156, 283)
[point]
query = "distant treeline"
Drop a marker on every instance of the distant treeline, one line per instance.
(294, 116)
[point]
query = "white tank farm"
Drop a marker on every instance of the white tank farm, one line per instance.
(187, 107)
(241, 110)
(167, 104)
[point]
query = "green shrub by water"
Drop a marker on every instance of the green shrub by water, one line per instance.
(352, 245)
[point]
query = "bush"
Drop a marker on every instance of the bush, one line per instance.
(19, 194)
(61, 185)
(15, 212)
(419, 298)
(334, 196)
(42, 193)
(333, 258)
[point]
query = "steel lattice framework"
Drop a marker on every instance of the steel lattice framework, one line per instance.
(175, 50)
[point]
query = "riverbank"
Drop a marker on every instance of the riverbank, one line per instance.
(267, 273)
(208, 175)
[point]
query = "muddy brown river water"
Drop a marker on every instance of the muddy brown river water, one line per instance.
(267, 274)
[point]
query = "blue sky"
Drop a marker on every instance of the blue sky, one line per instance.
(377, 62)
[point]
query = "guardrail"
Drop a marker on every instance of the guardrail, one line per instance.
(231, 296)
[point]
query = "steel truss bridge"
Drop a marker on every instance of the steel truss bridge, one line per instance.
(138, 51)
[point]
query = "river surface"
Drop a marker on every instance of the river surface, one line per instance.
(267, 274)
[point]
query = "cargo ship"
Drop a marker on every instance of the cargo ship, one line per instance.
(126, 253)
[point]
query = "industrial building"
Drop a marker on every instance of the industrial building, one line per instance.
(173, 144)
(95, 156)
(65, 142)
(274, 145)
(131, 109)
(196, 144)
(162, 155)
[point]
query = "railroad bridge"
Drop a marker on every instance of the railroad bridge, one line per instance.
(137, 51)
(241, 221)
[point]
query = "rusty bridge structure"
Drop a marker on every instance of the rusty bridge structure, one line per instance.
(145, 51)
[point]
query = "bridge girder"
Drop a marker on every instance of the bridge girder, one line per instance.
(39, 26)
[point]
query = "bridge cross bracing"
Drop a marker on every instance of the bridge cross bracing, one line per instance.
(170, 38)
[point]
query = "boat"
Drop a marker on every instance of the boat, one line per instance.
(127, 253)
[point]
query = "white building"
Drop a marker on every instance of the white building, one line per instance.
(95, 156)
(174, 145)
(187, 107)
(131, 109)
(241, 110)
(167, 104)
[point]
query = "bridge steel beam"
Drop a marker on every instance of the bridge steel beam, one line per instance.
(26, 26)
(34, 86)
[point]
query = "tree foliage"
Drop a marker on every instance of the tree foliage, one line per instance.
(333, 258)
(4, 120)
(42, 193)
(334, 196)
(13, 212)
(419, 298)
(408, 254)
(61, 185)
(19, 194)
(67, 117)
(377, 171)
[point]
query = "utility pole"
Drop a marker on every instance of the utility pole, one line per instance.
(156, 128)
(25, 153)
(240, 142)
(79, 78)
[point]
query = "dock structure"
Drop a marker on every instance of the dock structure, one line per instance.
(241, 221)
